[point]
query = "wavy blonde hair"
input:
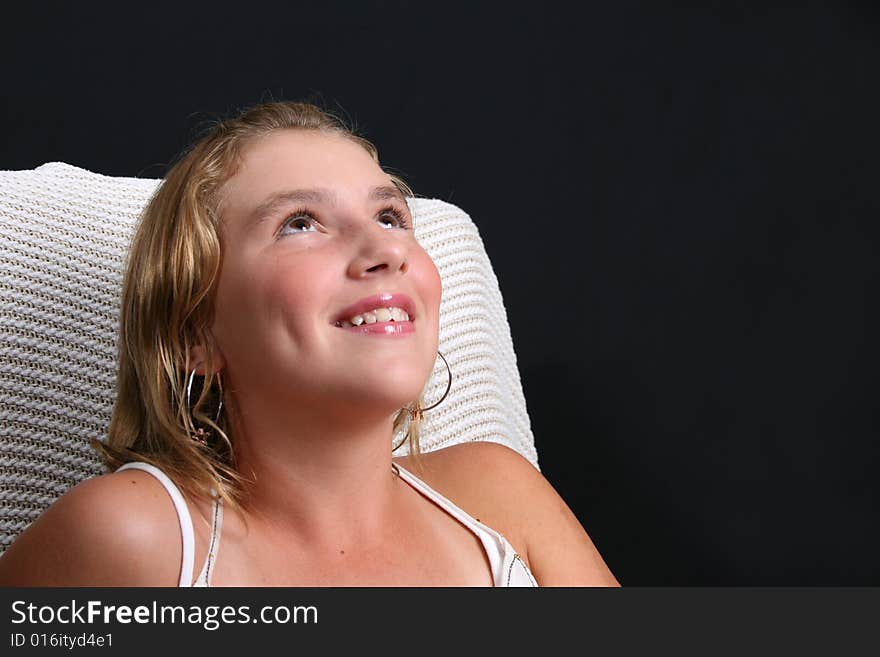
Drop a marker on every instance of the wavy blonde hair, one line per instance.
(167, 308)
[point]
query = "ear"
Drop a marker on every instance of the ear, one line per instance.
(198, 355)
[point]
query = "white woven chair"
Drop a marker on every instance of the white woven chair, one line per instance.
(64, 232)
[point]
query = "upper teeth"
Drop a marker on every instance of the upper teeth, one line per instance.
(377, 315)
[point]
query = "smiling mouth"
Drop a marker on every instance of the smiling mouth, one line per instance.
(380, 315)
(389, 328)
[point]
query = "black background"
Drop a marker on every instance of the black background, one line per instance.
(681, 207)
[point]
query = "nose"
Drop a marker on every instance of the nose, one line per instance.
(377, 252)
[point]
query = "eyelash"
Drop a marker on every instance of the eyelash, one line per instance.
(305, 214)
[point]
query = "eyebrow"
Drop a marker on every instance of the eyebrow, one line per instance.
(317, 195)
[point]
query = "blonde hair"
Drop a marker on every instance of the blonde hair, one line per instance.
(167, 307)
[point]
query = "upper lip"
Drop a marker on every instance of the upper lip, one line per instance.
(381, 300)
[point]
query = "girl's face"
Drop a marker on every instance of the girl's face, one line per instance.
(311, 226)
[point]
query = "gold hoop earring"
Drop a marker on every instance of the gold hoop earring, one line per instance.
(201, 435)
(418, 413)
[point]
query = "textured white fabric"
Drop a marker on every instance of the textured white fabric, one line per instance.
(64, 234)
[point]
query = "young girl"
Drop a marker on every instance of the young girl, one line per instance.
(279, 321)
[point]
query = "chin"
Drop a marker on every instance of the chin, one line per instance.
(391, 397)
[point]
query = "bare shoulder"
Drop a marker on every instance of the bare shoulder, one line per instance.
(505, 491)
(119, 529)
(480, 471)
(490, 481)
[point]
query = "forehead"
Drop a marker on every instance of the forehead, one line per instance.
(289, 159)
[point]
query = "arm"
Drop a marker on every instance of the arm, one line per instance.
(115, 530)
(506, 492)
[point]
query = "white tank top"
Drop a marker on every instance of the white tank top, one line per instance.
(508, 569)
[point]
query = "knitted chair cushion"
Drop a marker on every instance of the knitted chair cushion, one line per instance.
(64, 234)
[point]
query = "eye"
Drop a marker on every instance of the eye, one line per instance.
(300, 221)
(391, 213)
(293, 223)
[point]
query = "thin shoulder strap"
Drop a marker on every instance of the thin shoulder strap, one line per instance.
(444, 502)
(495, 545)
(204, 578)
(186, 525)
(508, 568)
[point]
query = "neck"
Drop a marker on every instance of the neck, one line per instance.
(324, 475)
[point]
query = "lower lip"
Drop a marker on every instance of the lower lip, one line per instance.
(386, 329)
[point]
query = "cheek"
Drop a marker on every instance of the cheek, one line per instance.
(430, 282)
(430, 287)
(254, 300)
